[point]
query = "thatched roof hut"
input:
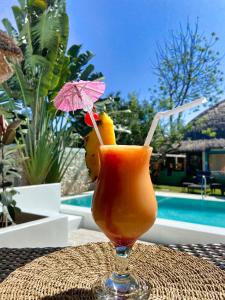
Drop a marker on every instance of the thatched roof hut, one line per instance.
(207, 130)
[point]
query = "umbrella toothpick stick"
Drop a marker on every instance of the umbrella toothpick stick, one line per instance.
(89, 110)
(80, 95)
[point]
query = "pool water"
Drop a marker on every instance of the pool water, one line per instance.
(204, 212)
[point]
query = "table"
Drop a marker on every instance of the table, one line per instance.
(70, 273)
(185, 184)
(194, 186)
(13, 258)
(219, 186)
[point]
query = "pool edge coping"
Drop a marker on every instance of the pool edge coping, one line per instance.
(83, 211)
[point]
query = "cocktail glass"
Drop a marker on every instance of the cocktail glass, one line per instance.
(124, 207)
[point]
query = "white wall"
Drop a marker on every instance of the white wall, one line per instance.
(43, 198)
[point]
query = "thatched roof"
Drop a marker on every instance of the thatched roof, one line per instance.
(207, 130)
(201, 145)
(8, 46)
(9, 52)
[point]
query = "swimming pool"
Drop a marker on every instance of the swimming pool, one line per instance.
(197, 211)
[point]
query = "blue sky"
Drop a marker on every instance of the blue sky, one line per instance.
(123, 34)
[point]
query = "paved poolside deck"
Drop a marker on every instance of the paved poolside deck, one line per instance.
(82, 236)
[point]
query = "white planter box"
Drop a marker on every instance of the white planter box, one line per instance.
(46, 232)
(51, 231)
(41, 199)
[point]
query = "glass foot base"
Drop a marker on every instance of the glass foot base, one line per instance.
(121, 287)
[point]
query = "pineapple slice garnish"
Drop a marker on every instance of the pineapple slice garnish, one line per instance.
(91, 143)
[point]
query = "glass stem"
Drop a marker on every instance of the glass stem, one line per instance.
(121, 262)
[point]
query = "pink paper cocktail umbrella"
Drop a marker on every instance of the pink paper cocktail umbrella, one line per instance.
(80, 95)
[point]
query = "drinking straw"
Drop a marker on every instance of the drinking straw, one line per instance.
(169, 113)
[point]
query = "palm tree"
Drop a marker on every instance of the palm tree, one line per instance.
(42, 34)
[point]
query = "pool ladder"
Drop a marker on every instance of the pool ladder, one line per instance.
(203, 187)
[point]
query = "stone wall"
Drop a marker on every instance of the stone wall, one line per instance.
(76, 180)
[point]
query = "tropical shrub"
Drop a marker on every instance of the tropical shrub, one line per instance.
(42, 34)
(8, 171)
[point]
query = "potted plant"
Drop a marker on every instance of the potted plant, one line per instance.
(30, 223)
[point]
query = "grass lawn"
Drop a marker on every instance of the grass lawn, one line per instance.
(179, 189)
(169, 188)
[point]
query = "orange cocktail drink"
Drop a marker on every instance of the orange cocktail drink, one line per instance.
(124, 204)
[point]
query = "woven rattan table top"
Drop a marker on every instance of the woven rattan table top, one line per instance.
(13, 258)
(205, 278)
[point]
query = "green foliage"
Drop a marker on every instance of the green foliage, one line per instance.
(39, 153)
(76, 67)
(44, 158)
(200, 125)
(131, 117)
(9, 207)
(132, 120)
(63, 154)
(8, 171)
(42, 33)
(209, 132)
(187, 67)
